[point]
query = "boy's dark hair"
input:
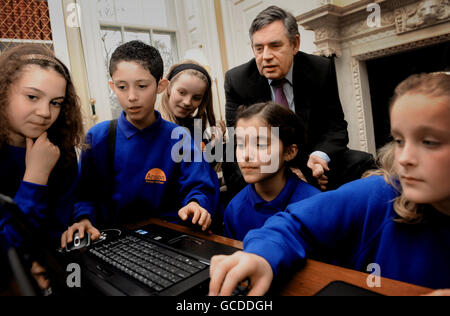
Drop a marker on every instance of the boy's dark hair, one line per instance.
(141, 53)
(291, 128)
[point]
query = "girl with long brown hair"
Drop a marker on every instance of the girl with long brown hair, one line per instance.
(40, 128)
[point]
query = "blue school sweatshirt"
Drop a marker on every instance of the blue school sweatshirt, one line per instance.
(146, 181)
(353, 227)
(247, 210)
(48, 207)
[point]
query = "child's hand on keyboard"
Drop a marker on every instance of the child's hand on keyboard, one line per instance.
(227, 272)
(199, 215)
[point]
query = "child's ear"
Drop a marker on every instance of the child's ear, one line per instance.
(162, 85)
(290, 152)
(111, 84)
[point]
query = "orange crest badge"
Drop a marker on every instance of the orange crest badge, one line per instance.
(156, 176)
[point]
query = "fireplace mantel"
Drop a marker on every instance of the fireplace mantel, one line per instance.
(346, 33)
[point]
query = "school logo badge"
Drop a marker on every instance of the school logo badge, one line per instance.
(156, 176)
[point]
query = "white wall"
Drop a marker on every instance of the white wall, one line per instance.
(58, 31)
(197, 24)
(238, 16)
(197, 29)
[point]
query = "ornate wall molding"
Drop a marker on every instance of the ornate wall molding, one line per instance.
(324, 21)
(327, 40)
(404, 47)
(362, 30)
(359, 105)
(422, 14)
(337, 27)
(345, 32)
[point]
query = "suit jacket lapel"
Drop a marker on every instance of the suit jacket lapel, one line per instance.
(259, 89)
(302, 96)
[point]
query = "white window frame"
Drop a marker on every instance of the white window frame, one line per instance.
(59, 36)
(90, 27)
(144, 29)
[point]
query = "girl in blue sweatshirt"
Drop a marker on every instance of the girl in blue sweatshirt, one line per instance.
(188, 102)
(188, 97)
(272, 186)
(40, 126)
(146, 175)
(399, 220)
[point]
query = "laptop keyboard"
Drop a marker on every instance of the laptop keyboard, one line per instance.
(150, 264)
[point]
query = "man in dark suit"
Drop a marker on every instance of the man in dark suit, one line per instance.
(309, 88)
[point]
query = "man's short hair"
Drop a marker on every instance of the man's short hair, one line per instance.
(141, 53)
(272, 14)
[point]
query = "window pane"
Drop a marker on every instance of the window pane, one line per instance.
(116, 109)
(165, 44)
(137, 19)
(111, 39)
(143, 36)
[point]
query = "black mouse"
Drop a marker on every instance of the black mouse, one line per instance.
(79, 243)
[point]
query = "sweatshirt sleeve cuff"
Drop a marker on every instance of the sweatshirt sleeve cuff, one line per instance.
(32, 199)
(322, 155)
(201, 200)
(84, 210)
(270, 251)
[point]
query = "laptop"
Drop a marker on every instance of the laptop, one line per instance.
(150, 260)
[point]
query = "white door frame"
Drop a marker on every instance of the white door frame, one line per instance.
(57, 23)
(95, 64)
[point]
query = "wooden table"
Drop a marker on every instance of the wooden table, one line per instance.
(309, 280)
(314, 275)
